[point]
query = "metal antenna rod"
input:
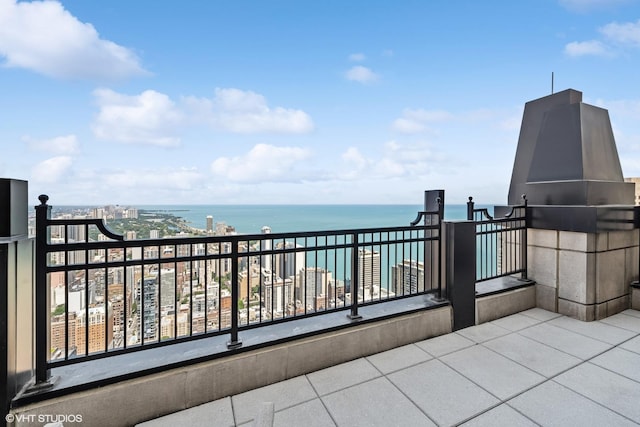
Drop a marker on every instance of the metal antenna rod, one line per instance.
(552, 83)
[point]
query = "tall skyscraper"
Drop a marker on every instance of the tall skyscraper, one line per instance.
(408, 277)
(209, 224)
(368, 273)
(311, 283)
(266, 245)
(288, 264)
(149, 319)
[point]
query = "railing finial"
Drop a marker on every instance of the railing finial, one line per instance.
(43, 199)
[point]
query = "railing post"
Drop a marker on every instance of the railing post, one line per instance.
(461, 272)
(524, 253)
(355, 279)
(16, 291)
(440, 243)
(470, 207)
(42, 306)
(235, 341)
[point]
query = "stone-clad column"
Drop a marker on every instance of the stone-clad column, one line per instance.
(583, 275)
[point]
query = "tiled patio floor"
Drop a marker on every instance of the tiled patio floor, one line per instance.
(531, 368)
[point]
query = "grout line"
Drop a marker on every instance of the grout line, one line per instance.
(409, 398)
(551, 378)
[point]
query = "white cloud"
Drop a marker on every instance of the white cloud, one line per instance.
(627, 33)
(405, 125)
(153, 118)
(415, 121)
(357, 57)
(51, 170)
(354, 163)
(44, 37)
(591, 47)
(361, 74)
(178, 179)
(149, 118)
(397, 160)
(265, 163)
(239, 111)
(67, 144)
(624, 35)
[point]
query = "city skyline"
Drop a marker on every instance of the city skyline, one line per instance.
(283, 102)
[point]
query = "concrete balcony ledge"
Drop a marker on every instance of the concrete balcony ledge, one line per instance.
(166, 379)
(503, 296)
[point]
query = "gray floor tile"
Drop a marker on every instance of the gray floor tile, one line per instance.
(631, 312)
(596, 330)
(623, 320)
(444, 344)
(540, 314)
(198, 416)
(515, 322)
(538, 357)
(484, 332)
(503, 415)
(500, 376)
(445, 395)
(623, 362)
(399, 358)
(341, 376)
(632, 345)
(565, 340)
(374, 403)
(614, 391)
(308, 414)
(283, 394)
(551, 404)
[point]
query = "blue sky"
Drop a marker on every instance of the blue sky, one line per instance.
(292, 102)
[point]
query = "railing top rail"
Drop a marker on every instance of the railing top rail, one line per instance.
(486, 216)
(119, 241)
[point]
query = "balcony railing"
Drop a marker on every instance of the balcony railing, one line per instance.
(501, 242)
(98, 295)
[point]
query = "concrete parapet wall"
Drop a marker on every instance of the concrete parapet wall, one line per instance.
(495, 306)
(583, 275)
(134, 401)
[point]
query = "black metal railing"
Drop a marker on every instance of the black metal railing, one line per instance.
(501, 242)
(98, 297)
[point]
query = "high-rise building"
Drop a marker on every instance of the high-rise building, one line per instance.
(288, 264)
(266, 245)
(278, 294)
(311, 283)
(408, 277)
(154, 234)
(76, 233)
(209, 224)
(149, 320)
(100, 329)
(98, 213)
(131, 213)
(368, 273)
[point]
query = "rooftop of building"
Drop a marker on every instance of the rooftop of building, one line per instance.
(531, 368)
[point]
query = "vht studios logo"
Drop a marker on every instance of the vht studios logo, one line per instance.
(44, 418)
